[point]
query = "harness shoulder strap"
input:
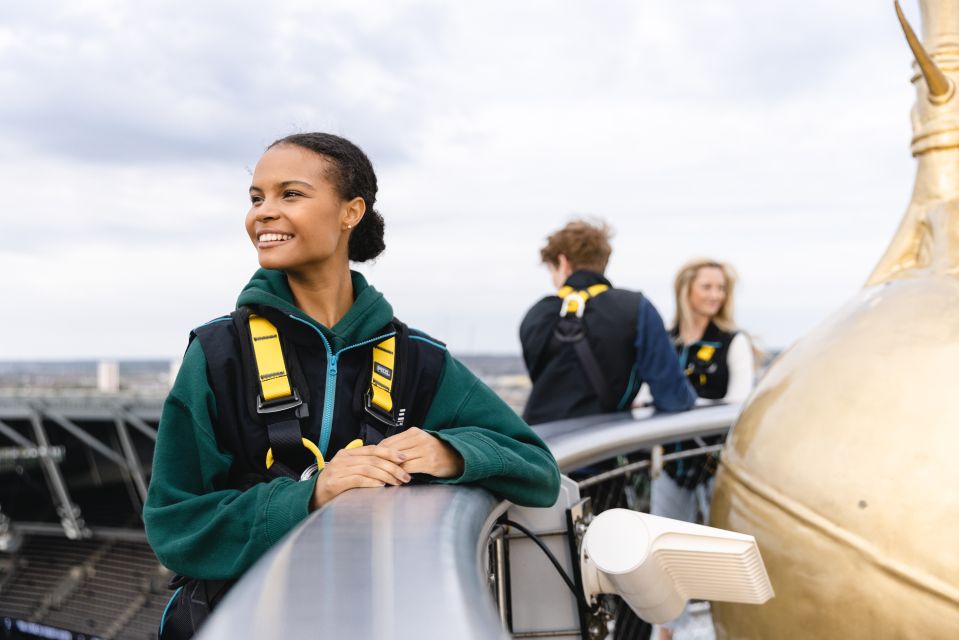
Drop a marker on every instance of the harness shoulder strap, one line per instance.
(382, 371)
(402, 381)
(277, 402)
(570, 330)
(275, 387)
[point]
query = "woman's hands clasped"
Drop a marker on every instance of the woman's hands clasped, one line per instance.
(390, 462)
(425, 453)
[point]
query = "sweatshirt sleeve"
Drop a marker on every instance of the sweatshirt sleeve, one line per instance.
(741, 368)
(500, 451)
(657, 363)
(196, 527)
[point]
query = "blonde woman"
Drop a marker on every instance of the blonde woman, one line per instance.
(718, 361)
(716, 357)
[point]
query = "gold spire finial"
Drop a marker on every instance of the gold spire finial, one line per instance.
(940, 87)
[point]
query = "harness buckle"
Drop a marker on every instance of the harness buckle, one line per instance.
(310, 471)
(569, 300)
(378, 413)
(276, 406)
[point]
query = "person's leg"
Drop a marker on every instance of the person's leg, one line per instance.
(669, 500)
(704, 497)
(700, 498)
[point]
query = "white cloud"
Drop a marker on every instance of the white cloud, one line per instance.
(772, 135)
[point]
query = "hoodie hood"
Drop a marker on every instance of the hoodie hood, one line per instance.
(368, 315)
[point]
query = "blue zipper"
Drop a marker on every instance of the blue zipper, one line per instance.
(329, 397)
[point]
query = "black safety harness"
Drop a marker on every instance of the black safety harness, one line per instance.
(570, 330)
(401, 383)
(282, 399)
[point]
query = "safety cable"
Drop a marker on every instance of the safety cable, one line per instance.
(549, 554)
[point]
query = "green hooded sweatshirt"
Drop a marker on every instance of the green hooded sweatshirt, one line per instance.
(200, 528)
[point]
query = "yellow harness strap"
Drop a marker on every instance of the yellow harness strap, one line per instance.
(270, 365)
(275, 382)
(315, 450)
(381, 379)
(706, 352)
(573, 298)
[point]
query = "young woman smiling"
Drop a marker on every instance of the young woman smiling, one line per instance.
(219, 497)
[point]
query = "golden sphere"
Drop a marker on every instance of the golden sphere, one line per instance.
(845, 466)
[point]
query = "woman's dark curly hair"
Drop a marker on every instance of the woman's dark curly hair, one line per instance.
(351, 173)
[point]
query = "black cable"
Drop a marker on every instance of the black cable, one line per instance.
(549, 554)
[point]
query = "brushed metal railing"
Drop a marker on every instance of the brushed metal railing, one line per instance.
(374, 563)
(580, 442)
(412, 562)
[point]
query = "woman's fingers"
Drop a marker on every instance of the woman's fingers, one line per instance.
(371, 461)
(393, 475)
(359, 481)
(427, 453)
(405, 440)
(379, 450)
(386, 452)
(418, 464)
(389, 463)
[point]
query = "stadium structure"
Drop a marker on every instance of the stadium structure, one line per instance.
(74, 561)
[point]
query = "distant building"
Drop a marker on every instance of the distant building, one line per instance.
(108, 376)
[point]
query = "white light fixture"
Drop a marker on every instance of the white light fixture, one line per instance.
(657, 564)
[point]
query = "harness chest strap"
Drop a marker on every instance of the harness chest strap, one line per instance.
(278, 395)
(575, 301)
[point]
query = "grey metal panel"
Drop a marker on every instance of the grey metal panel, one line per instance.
(374, 563)
(577, 443)
(541, 601)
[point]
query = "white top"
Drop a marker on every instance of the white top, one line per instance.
(742, 370)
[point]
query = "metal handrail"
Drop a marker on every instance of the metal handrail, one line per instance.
(374, 563)
(409, 562)
(584, 441)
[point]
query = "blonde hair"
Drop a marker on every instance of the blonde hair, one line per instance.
(684, 281)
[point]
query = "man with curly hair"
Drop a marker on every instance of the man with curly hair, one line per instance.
(590, 347)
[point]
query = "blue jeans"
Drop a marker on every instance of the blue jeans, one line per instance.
(669, 500)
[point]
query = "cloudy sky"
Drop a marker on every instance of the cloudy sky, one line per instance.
(773, 135)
